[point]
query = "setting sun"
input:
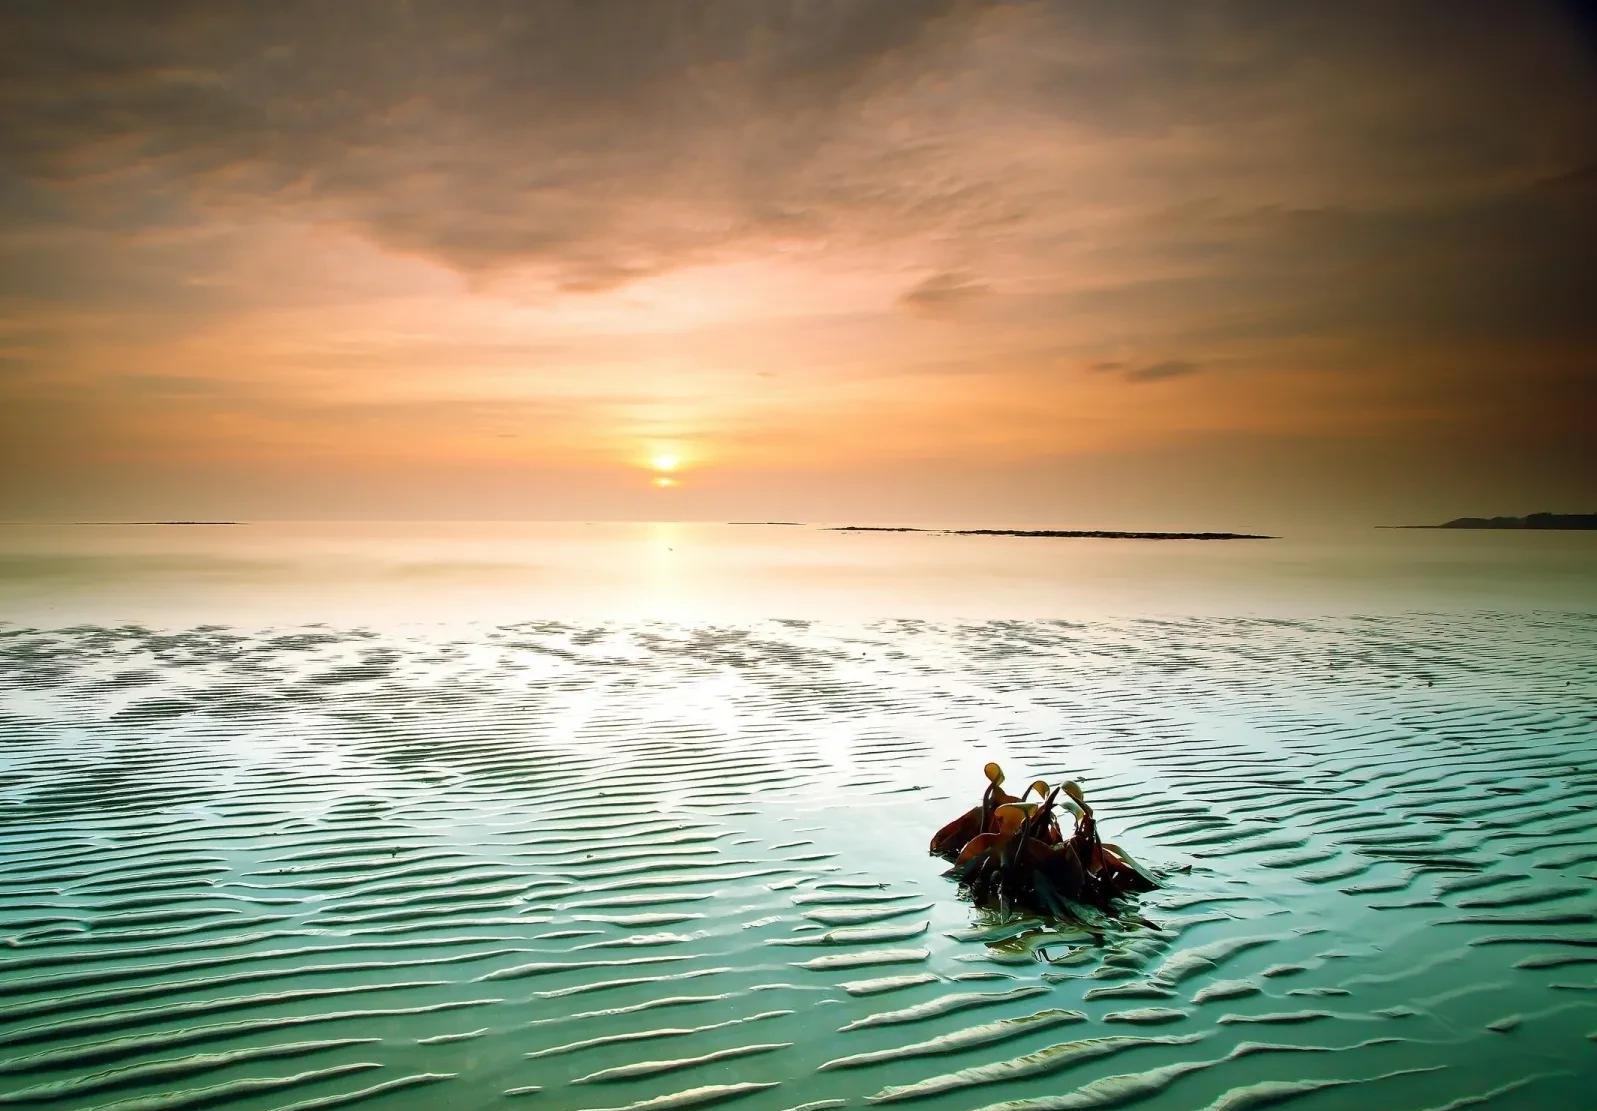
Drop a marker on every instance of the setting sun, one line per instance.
(665, 461)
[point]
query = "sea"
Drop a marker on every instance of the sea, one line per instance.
(304, 815)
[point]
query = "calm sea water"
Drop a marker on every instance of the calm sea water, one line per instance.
(634, 818)
(292, 572)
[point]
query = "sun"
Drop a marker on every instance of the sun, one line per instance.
(663, 467)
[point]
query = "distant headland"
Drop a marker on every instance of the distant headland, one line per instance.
(1569, 522)
(1093, 534)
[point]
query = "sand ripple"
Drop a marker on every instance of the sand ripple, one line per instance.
(681, 867)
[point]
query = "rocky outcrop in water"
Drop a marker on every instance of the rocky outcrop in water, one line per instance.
(1095, 534)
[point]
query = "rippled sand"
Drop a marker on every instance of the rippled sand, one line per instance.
(656, 866)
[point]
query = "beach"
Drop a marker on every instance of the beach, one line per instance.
(655, 863)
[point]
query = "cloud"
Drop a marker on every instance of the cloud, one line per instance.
(943, 294)
(602, 144)
(1151, 372)
(1158, 372)
(605, 142)
(171, 385)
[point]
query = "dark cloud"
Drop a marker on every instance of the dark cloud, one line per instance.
(1151, 372)
(609, 141)
(943, 294)
(171, 385)
(606, 141)
(1158, 372)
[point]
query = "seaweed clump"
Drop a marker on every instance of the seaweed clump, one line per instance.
(1010, 853)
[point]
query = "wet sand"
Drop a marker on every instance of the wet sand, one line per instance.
(655, 865)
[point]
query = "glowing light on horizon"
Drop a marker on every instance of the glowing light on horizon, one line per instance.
(665, 483)
(666, 461)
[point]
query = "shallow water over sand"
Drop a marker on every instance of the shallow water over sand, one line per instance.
(590, 864)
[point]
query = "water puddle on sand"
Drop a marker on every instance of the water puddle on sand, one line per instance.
(650, 866)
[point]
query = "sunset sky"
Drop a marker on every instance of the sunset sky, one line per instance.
(1009, 263)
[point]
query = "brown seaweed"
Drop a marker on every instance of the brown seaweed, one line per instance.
(1012, 854)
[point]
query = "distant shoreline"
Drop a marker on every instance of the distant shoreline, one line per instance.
(157, 522)
(1534, 522)
(1086, 534)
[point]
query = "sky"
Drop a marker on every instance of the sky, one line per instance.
(1075, 264)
